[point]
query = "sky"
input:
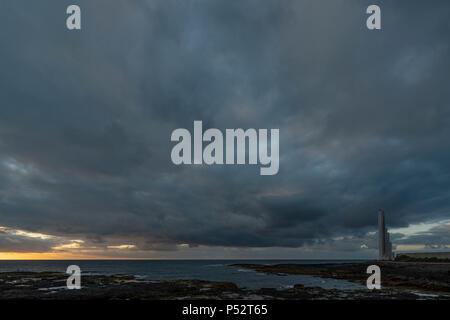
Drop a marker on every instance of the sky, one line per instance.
(86, 118)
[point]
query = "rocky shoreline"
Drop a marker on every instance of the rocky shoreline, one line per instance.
(428, 278)
(399, 282)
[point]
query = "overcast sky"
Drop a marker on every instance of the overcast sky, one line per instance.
(86, 118)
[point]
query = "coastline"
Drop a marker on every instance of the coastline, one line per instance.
(406, 281)
(426, 277)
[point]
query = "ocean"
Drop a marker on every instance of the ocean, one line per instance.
(212, 270)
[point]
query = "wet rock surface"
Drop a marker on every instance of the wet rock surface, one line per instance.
(52, 285)
(428, 278)
(48, 285)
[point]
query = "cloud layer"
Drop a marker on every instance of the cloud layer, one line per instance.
(86, 118)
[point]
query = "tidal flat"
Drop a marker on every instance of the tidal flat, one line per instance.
(406, 281)
(424, 278)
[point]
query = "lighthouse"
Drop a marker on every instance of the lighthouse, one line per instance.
(384, 243)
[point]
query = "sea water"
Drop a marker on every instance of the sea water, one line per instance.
(211, 270)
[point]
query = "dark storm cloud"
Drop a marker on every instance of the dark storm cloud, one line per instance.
(86, 118)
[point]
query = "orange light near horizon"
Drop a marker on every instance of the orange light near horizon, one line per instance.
(65, 256)
(44, 256)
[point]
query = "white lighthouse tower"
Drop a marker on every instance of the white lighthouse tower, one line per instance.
(384, 243)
